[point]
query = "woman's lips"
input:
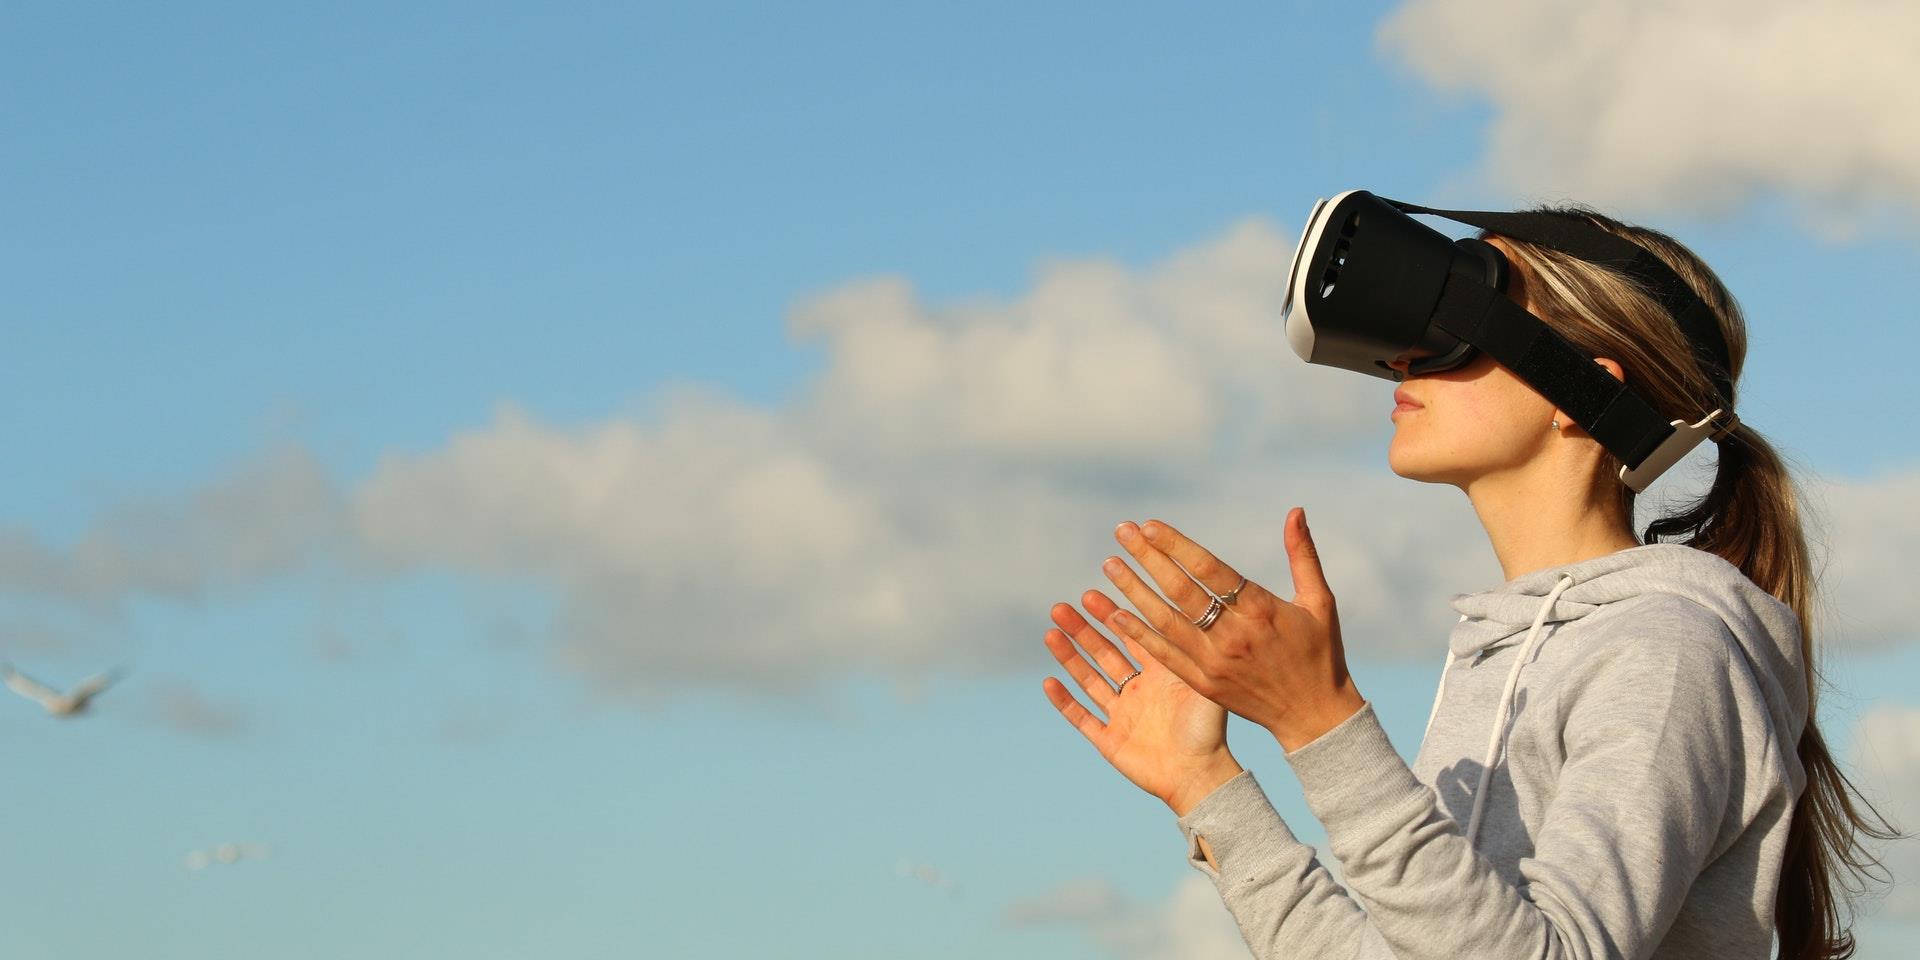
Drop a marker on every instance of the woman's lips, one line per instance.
(1403, 402)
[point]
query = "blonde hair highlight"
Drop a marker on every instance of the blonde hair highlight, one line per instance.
(1751, 517)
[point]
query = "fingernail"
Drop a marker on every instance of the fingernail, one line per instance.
(1125, 530)
(1113, 565)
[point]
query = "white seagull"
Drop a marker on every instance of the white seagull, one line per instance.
(56, 703)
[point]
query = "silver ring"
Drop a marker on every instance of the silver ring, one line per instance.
(1234, 594)
(1123, 682)
(1213, 613)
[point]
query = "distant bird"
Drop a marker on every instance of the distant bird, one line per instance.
(56, 703)
(928, 874)
(226, 853)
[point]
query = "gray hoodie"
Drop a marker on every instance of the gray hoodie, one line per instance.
(1639, 794)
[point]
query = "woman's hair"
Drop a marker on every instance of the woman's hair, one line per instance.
(1750, 517)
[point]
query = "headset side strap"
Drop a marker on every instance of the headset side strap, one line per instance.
(1611, 413)
(1580, 238)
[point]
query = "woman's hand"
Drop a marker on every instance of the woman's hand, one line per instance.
(1280, 664)
(1168, 740)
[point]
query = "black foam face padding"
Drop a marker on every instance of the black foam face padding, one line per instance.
(1493, 272)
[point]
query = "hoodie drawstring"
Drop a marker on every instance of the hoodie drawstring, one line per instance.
(1506, 704)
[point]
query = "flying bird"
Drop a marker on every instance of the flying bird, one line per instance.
(225, 853)
(928, 874)
(56, 703)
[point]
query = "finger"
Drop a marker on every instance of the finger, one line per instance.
(1103, 609)
(1096, 686)
(1140, 653)
(1197, 560)
(1082, 720)
(1171, 624)
(1175, 582)
(1303, 558)
(1104, 654)
(1137, 633)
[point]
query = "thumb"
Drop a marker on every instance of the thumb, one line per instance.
(1309, 580)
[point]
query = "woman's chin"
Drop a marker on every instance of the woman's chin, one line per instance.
(1411, 473)
(1407, 462)
(1402, 460)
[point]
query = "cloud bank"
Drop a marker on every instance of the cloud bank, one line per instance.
(1871, 531)
(271, 516)
(1698, 106)
(1192, 924)
(954, 470)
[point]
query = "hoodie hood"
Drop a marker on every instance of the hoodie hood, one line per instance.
(1766, 629)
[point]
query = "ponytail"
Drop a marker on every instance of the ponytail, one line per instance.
(1750, 517)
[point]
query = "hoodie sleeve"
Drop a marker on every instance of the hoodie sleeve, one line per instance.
(1637, 812)
(1286, 903)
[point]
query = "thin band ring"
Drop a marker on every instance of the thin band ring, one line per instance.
(1123, 682)
(1234, 594)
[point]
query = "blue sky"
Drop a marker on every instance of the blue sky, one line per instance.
(325, 243)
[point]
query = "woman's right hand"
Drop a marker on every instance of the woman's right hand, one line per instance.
(1160, 734)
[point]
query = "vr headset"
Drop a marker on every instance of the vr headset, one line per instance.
(1370, 284)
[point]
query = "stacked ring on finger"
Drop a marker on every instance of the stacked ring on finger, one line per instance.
(1214, 608)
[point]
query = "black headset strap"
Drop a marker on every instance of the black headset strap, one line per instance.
(1580, 238)
(1615, 416)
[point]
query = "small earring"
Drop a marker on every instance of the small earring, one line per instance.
(1556, 424)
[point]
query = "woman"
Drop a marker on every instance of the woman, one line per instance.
(1622, 759)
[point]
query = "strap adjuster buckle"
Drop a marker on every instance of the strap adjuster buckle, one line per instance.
(1677, 445)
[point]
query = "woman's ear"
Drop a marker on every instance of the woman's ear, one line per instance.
(1563, 422)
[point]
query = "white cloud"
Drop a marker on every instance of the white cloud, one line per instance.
(269, 516)
(955, 470)
(718, 547)
(1092, 365)
(1695, 106)
(1191, 924)
(1871, 537)
(1888, 746)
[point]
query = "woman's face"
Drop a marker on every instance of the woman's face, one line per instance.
(1476, 420)
(1462, 424)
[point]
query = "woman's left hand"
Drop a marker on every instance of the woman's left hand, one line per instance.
(1277, 663)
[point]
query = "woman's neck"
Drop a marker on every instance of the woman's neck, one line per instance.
(1549, 515)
